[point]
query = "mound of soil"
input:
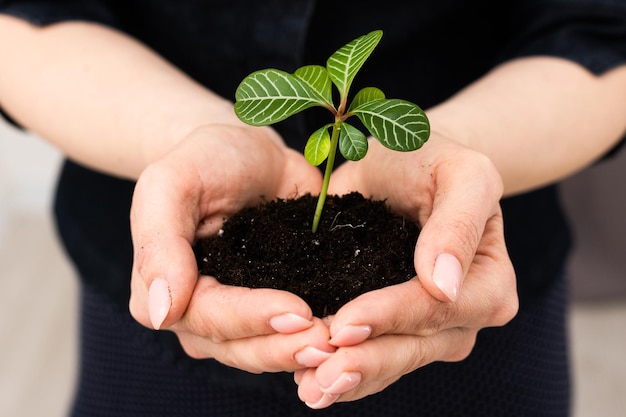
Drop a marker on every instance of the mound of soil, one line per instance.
(360, 246)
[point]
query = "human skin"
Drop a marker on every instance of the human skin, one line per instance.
(526, 117)
(514, 130)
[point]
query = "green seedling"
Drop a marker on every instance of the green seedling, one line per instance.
(269, 96)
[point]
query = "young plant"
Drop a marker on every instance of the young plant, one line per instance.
(269, 96)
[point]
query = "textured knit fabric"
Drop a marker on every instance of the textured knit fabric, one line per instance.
(434, 48)
(519, 370)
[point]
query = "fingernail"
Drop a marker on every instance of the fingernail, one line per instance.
(289, 323)
(345, 382)
(447, 275)
(159, 302)
(311, 357)
(325, 401)
(351, 335)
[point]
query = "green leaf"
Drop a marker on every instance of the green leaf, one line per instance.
(318, 79)
(366, 95)
(352, 142)
(397, 124)
(268, 96)
(318, 146)
(347, 61)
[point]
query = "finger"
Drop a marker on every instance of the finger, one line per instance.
(405, 308)
(270, 353)
(220, 313)
(354, 372)
(451, 235)
(489, 298)
(299, 178)
(163, 224)
(344, 180)
(431, 186)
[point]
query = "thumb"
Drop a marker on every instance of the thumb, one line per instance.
(450, 238)
(163, 225)
(164, 276)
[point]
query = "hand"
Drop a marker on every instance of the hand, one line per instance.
(454, 193)
(251, 329)
(210, 175)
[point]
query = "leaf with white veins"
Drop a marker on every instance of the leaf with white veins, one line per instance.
(353, 143)
(317, 78)
(269, 96)
(318, 146)
(364, 96)
(398, 124)
(347, 61)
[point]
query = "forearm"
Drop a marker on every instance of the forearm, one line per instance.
(101, 97)
(538, 119)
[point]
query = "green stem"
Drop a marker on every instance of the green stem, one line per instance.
(334, 140)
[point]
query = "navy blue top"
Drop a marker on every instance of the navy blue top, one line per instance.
(429, 51)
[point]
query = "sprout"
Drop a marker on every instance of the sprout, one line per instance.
(269, 96)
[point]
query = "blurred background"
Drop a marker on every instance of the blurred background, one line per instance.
(38, 291)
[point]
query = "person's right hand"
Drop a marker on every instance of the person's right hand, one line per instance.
(210, 175)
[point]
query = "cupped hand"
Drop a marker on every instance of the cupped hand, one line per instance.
(211, 174)
(465, 280)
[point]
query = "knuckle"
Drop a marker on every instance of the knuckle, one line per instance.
(236, 359)
(203, 326)
(424, 351)
(432, 349)
(470, 233)
(506, 304)
(191, 347)
(464, 347)
(202, 322)
(418, 357)
(212, 332)
(368, 388)
(440, 315)
(505, 311)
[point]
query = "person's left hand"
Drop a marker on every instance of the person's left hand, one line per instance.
(384, 334)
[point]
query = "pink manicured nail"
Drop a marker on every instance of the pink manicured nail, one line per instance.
(289, 323)
(325, 401)
(311, 357)
(159, 302)
(345, 382)
(351, 335)
(447, 275)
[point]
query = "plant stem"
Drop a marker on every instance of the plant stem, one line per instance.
(334, 140)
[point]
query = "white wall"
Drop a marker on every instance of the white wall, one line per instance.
(596, 202)
(38, 305)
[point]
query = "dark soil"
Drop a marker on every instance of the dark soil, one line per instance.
(360, 246)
